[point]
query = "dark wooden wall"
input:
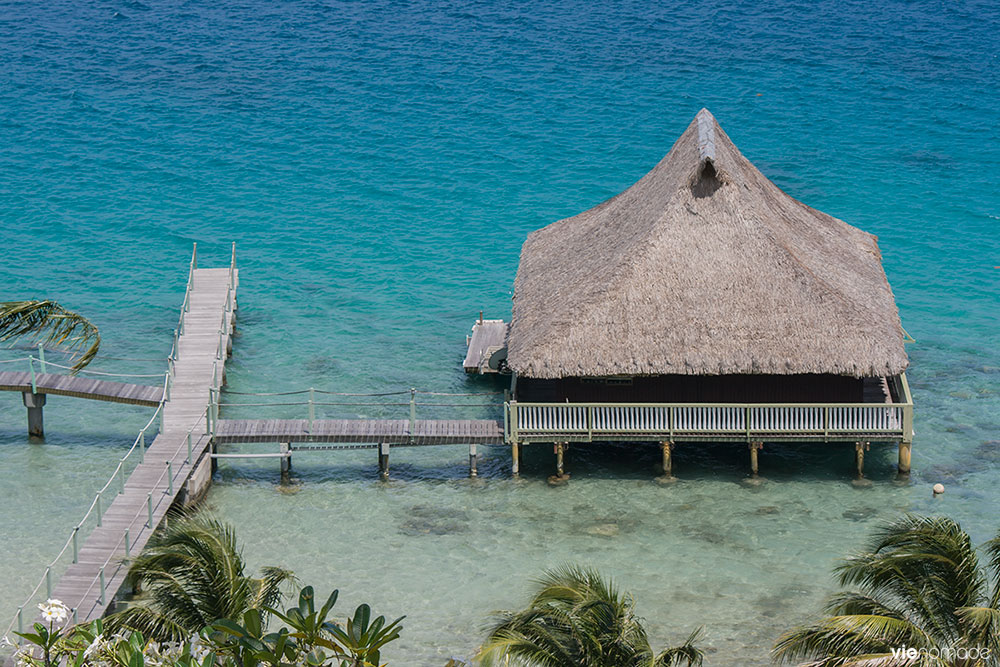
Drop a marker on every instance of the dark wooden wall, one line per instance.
(696, 389)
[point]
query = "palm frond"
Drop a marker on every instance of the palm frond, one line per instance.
(53, 325)
(687, 654)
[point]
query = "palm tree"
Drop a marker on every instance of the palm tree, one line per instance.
(53, 325)
(578, 619)
(192, 574)
(920, 585)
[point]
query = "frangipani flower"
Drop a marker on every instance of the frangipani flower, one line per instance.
(54, 611)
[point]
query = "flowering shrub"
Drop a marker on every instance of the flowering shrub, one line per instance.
(307, 638)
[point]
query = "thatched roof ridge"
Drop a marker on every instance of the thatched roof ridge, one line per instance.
(704, 266)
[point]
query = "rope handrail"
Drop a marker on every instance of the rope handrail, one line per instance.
(14, 361)
(342, 393)
(84, 370)
(393, 404)
(139, 512)
(93, 504)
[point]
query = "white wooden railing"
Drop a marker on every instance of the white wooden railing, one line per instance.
(599, 420)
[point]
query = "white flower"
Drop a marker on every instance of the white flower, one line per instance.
(4, 641)
(198, 649)
(96, 645)
(54, 610)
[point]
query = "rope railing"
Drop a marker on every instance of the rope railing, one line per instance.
(342, 393)
(149, 509)
(94, 508)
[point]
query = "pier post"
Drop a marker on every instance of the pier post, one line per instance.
(286, 460)
(667, 448)
(754, 448)
(34, 403)
(904, 457)
(859, 458)
(515, 456)
(383, 459)
(473, 461)
(560, 477)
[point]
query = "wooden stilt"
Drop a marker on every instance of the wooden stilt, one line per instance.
(515, 455)
(560, 477)
(904, 457)
(754, 448)
(667, 477)
(473, 461)
(859, 458)
(383, 459)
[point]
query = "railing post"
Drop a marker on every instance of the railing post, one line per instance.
(312, 408)
(513, 421)
(149, 510)
(413, 409)
(76, 547)
(97, 504)
(208, 419)
(128, 543)
(170, 478)
(41, 356)
(31, 365)
(188, 461)
(48, 582)
(142, 446)
(20, 619)
(121, 477)
(103, 585)
(506, 422)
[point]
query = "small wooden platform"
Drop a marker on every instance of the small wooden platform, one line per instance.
(487, 347)
(82, 387)
(360, 431)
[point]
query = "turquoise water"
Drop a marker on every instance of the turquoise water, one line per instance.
(379, 165)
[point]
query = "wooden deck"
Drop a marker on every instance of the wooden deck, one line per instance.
(352, 433)
(486, 347)
(81, 387)
(89, 585)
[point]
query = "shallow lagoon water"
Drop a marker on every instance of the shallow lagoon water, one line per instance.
(379, 167)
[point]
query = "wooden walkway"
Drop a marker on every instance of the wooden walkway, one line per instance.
(352, 432)
(81, 387)
(89, 586)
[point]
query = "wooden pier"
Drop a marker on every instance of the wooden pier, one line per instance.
(196, 368)
(397, 432)
(81, 387)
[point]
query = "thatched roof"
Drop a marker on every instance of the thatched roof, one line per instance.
(703, 267)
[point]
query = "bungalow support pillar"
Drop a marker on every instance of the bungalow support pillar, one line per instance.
(668, 466)
(34, 403)
(383, 459)
(904, 457)
(754, 448)
(515, 456)
(667, 450)
(473, 460)
(859, 458)
(560, 477)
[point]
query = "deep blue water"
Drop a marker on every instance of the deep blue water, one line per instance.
(379, 165)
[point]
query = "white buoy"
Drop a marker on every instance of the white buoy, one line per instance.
(938, 489)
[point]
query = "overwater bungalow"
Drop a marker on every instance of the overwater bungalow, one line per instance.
(705, 304)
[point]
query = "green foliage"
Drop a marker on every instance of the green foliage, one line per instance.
(191, 574)
(920, 585)
(52, 324)
(576, 618)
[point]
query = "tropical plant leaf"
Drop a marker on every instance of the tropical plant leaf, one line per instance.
(53, 325)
